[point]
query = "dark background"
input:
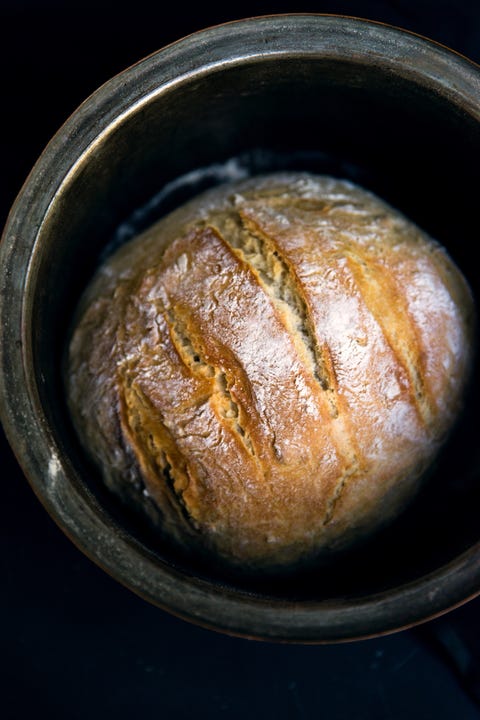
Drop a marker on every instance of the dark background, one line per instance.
(76, 644)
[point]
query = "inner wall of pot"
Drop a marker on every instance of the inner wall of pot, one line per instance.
(402, 140)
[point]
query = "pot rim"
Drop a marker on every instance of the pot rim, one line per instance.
(51, 475)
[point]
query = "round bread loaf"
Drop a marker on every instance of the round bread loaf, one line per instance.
(269, 371)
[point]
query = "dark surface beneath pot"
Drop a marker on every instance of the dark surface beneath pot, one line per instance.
(77, 644)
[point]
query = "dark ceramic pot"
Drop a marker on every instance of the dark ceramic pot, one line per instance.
(388, 109)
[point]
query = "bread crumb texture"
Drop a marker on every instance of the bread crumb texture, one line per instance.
(269, 371)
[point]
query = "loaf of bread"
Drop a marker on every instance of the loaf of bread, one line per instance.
(268, 372)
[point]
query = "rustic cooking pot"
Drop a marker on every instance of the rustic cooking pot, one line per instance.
(386, 108)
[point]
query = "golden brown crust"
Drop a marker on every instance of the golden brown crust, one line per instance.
(276, 364)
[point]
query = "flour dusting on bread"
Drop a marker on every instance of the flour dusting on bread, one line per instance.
(269, 370)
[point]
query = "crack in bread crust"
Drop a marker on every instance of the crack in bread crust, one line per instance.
(221, 397)
(155, 450)
(352, 470)
(390, 311)
(278, 279)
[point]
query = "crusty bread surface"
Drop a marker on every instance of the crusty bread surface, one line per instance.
(270, 370)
